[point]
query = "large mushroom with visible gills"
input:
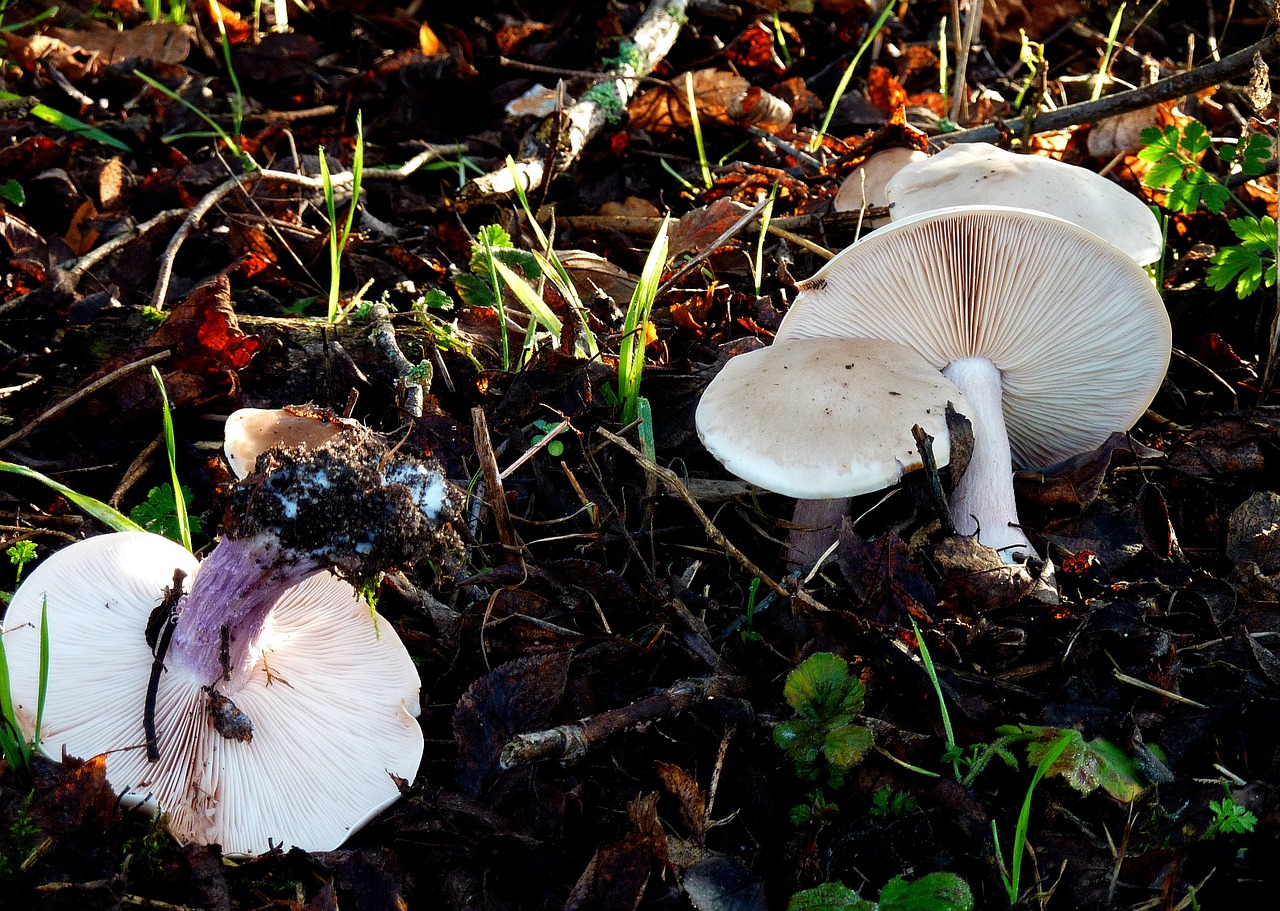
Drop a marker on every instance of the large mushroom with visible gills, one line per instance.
(254, 698)
(1055, 337)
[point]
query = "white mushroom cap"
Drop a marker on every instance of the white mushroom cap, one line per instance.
(820, 419)
(250, 432)
(1075, 327)
(332, 695)
(866, 184)
(977, 173)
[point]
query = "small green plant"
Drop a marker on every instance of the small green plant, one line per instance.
(816, 141)
(888, 804)
(1106, 57)
(12, 192)
(20, 554)
(635, 326)
(17, 749)
(237, 96)
(215, 128)
(179, 501)
(1249, 264)
(952, 754)
(158, 513)
(17, 841)
(934, 892)
(1011, 875)
(338, 239)
(757, 265)
(68, 124)
(112, 518)
(823, 740)
(1229, 818)
(555, 448)
(692, 101)
(605, 94)
(144, 854)
(748, 634)
(1174, 156)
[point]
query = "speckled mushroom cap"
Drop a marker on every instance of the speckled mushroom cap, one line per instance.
(333, 697)
(976, 173)
(826, 418)
(249, 432)
(1075, 326)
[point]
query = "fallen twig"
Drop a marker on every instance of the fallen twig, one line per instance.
(653, 37)
(570, 741)
(383, 336)
(671, 481)
(1176, 86)
(495, 496)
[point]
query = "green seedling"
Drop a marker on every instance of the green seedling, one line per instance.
(158, 513)
(944, 63)
(781, 39)
(1229, 818)
(952, 752)
(697, 129)
(1086, 765)
(179, 501)
(934, 892)
(443, 334)
(635, 326)
(16, 748)
(69, 124)
(482, 286)
(554, 269)
(20, 554)
(757, 265)
(338, 239)
(749, 634)
(887, 804)
(1031, 55)
(237, 96)
(1249, 264)
(177, 11)
(112, 518)
(216, 129)
(1011, 875)
(816, 141)
(555, 448)
(823, 740)
(1105, 65)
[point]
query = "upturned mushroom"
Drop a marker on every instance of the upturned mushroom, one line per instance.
(282, 711)
(976, 173)
(1054, 337)
(825, 420)
(865, 186)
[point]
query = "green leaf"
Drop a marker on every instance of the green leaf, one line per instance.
(1258, 235)
(474, 291)
(1118, 775)
(435, 299)
(821, 688)
(105, 514)
(68, 123)
(1253, 153)
(829, 897)
(845, 746)
(1164, 171)
(531, 299)
(934, 892)
(1195, 138)
(1241, 266)
(1214, 196)
(158, 513)
(11, 191)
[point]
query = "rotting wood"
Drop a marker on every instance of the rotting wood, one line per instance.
(495, 496)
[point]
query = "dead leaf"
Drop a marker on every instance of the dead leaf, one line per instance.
(73, 797)
(884, 91)
(592, 274)
(721, 97)
(1006, 20)
(615, 878)
(698, 229)
(80, 236)
(153, 42)
(693, 802)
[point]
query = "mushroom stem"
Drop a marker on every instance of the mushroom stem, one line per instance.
(817, 527)
(982, 501)
(236, 588)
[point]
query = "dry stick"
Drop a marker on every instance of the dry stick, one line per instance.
(924, 443)
(671, 481)
(168, 613)
(495, 496)
(1176, 86)
(214, 196)
(571, 741)
(383, 336)
(653, 37)
(959, 101)
(82, 393)
(647, 225)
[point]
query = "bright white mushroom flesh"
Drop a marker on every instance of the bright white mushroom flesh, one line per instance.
(824, 420)
(976, 173)
(266, 641)
(1055, 337)
(249, 432)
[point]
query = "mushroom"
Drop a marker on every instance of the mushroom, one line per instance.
(283, 707)
(1054, 337)
(824, 420)
(864, 187)
(249, 432)
(976, 173)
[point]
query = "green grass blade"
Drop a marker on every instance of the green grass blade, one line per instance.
(44, 669)
(530, 298)
(179, 502)
(69, 124)
(848, 75)
(631, 351)
(213, 125)
(113, 519)
(697, 129)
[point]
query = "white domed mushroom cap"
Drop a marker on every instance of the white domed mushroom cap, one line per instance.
(868, 181)
(333, 697)
(1075, 326)
(976, 173)
(819, 419)
(250, 432)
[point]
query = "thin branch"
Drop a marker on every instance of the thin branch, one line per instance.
(1176, 86)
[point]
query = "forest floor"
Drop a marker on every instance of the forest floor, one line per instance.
(179, 220)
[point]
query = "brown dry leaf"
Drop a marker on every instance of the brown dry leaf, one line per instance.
(722, 97)
(429, 43)
(1004, 21)
(591, 273)
(693, 802)
(73, 797)
(631, 207)
(796, 93)
(1123, 133)
(615, 879)
(884, 91)
(110, 182)
(755, 48)
(697, 230)
(72, 61)
(80, 235)
(154, 42)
